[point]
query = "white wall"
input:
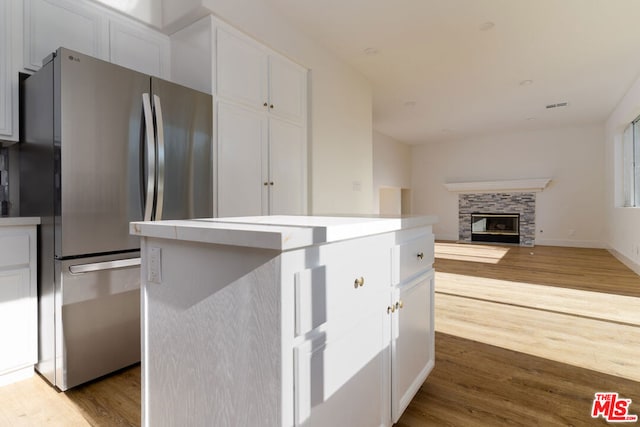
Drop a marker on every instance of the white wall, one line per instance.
(340, 105)
(147, 11)
(391, 166)
(623, 224)
(569, 211)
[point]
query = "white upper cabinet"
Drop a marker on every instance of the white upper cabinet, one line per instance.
(242, 69)
(6, 86)
(88, 28)
(135, 46)
(287, 89)
(50, 24)
(261, 120)
(249, 73)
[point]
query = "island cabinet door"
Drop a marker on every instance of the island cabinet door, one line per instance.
(412, 342)
(342, 378)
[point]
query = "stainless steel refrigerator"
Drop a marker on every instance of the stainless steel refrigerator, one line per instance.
(102, 146)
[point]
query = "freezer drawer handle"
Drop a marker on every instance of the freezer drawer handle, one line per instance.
(107, 265)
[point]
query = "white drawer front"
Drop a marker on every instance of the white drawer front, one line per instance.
(14, 250)
(330, 292)
(412, 257)
(340, 381)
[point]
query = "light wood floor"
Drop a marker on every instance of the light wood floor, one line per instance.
(473, 383)
(571, 305)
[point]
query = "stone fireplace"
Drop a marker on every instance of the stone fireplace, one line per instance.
(498, 211)
(522, 205)
(498, 206)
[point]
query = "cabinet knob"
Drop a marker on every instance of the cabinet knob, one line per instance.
(420, 255)
(271, 183)
(265, 104)
(391, 309)
(358, 282)
(271, 106)
(265, 183)
(399, 304)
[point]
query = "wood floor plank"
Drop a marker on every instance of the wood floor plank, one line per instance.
(598, 305)
(33, 402)
(576, 268)
(598, 345)
(572, 305)
(475, 384)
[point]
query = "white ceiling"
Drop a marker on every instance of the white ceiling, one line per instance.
(464, 80)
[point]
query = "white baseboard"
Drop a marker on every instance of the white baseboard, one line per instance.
(634, 266)
(449, 237)
(571, 243)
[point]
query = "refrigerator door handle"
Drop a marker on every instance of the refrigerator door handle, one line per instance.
(157, 109)
(107, 265)
(150, 157)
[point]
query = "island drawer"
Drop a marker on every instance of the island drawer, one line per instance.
(412, 256)
(350, 277)
(15, 249)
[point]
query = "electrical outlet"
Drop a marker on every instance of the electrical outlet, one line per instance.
(154, 266)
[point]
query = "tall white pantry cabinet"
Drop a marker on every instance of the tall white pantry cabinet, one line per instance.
(261, 117)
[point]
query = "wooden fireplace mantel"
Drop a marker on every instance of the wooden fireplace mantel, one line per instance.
(505, 186)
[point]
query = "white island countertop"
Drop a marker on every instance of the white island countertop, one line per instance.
(13, 221)
(279, 232)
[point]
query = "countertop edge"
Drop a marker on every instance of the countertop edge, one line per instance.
(276, 236)
(15, 221)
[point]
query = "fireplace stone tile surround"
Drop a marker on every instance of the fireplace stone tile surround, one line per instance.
(520, 203)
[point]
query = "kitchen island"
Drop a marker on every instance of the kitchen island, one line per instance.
(285, 320)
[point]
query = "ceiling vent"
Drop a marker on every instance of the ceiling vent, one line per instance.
(558, 105)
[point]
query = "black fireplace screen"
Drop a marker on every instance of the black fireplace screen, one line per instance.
(495, 227)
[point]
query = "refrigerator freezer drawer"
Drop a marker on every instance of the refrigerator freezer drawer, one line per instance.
(100, 318)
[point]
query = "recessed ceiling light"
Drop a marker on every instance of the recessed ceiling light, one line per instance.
(371, 51)
(410, 104)
(487, 26)
(526, 82)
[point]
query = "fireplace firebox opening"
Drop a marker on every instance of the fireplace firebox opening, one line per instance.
(497, 228)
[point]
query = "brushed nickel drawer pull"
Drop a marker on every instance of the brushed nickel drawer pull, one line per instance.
(358, 282)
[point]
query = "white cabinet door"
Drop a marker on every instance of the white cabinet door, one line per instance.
(139, 48)
(50, 24)
(287, 168)
(287, 89)
(17, 320)
(6, 71)
(343, 381)
(242, 170)
(241, 70)
(413, 354)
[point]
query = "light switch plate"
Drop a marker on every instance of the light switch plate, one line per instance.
(154, 265)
